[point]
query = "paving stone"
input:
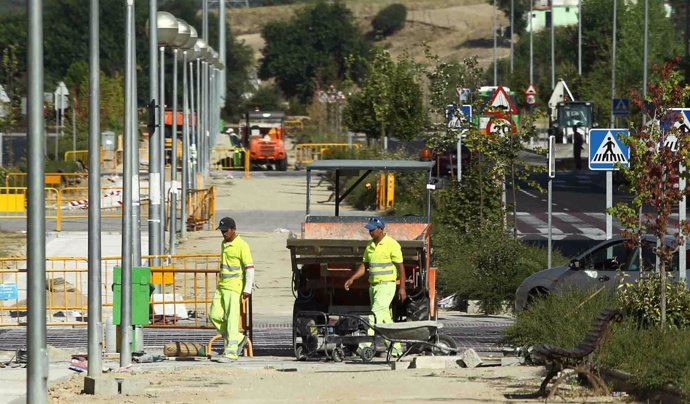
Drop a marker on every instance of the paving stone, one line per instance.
(511, 361)
(471, 359)
(133, 385)
(100, 386)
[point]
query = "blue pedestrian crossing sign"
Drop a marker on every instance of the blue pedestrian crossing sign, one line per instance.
(606, 149)
(621, 106)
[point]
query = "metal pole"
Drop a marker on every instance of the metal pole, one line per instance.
(58, 100)
(552, 174)
(531, 44)
(512, 23)
(173, 162)
(74, 125)
(204, 113)
(204, 22)
(134, 122)
(193, 126)
(221, 49)
(95, 323)
(154, 137)
(37, 369)
(645, 52)
(613, 62)
(495, 44)
(128, 194)
(549, 215)
(553, 51)
(161, 148)
(609, 204)
(459, 151)
(579, 37)
(200, 115)
(185, 148)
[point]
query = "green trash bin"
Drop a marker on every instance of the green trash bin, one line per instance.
(141, 295)
(237, 158)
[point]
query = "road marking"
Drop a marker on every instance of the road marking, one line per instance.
(528, 194)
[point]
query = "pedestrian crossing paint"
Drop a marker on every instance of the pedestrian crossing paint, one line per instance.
(590, 225)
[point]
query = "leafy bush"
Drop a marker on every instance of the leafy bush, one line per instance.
(486, 264)
(641, 301)
(389, 19)
(561, 319)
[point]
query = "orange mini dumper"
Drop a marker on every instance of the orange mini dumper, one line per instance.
(329, 248)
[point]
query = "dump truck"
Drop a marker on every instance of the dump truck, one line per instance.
(329, 248)
(262, 134)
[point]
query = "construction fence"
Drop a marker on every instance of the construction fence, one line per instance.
(67, 198)
(186, 284)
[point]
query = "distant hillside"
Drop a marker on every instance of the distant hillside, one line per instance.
(453, 29)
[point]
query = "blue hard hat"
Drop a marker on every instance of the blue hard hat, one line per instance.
(374, 222)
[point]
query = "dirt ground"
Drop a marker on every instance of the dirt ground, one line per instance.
(452, 29)
(318, 382)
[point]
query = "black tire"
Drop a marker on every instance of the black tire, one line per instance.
(417, 307)
(445, 345)
(338, 355)
(281, 165)
(299, 353)
(534, 295)
(367, 354)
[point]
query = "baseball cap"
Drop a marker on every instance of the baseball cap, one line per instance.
(374, 222)
(226, 223)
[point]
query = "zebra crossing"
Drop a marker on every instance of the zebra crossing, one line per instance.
(565, 225)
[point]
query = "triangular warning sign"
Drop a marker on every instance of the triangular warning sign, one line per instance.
(502, 101)
(621, 106)
(609, 151)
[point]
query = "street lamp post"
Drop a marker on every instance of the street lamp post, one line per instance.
(180, 40)
(186, 49)
(167, 31)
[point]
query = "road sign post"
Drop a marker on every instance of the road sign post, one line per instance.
(606, 153)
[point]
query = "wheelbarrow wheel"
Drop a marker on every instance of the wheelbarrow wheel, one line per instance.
(367, 354)
(338, 355)
(445, 345)
(299, 353)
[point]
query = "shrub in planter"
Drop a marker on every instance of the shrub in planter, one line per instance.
(560, 319)
(642, 299)
(389, 19)
(486, 264)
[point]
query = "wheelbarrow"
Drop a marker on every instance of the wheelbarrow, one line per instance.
(417, 336)
(337, 335)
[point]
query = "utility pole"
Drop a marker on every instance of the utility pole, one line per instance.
(553, 52)
(512, 24)
(495, 44)
(579, 37)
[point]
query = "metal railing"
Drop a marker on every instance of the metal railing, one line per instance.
(306, 153)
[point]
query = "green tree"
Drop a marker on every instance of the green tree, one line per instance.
(652, 165)
(390, 100)
(311, 50)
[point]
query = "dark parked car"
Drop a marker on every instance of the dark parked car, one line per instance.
(602, 265)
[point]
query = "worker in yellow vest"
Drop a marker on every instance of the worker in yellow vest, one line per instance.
(383, 256)
(236, 279)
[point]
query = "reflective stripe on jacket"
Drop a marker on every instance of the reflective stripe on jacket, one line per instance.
(382, 258)
(235, 257)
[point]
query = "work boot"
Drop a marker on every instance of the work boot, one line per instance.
(226, 359)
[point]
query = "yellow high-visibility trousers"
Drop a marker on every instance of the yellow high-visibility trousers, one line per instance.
(381, 296)
(225, 316)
